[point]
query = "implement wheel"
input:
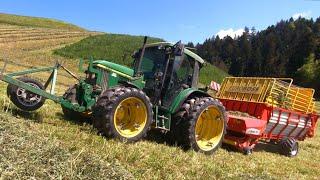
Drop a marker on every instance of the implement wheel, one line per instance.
(123, 113)
(201, 124)
(24, 99)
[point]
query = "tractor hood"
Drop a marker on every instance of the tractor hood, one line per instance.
(113, 66)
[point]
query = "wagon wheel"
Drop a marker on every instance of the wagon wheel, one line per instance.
(289, 147)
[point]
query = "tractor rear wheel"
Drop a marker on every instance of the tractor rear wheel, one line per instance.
(70, 95)
(289, 147)
(124, 113)
(200, 124)
(24, 99)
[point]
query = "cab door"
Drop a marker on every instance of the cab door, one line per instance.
(181, 77)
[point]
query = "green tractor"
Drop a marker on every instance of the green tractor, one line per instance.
(160, 91)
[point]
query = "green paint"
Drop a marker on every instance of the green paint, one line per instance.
(162, 118)
(113, 79)
(115, 67)
(119, 73)
(182, 97)
(76, 107)
(32, 71)
(139, 83)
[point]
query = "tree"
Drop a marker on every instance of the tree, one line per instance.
(190, 44)
(306, 75)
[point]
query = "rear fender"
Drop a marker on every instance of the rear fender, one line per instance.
(183, 96)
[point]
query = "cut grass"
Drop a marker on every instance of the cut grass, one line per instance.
(28, 21)
(27, 152)
(43, 143)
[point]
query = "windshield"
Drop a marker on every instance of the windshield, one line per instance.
(153, 61)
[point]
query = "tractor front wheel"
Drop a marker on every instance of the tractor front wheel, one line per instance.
(201, 124)
(123, 113)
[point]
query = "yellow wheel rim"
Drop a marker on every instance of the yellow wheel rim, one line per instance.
(130, 117)
(209, 128)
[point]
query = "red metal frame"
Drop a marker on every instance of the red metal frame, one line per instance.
(250, 130)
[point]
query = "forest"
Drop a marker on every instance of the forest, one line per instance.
(291, 48)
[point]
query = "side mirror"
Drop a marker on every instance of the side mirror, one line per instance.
(136, 54)
(158, 76)
(178, 49)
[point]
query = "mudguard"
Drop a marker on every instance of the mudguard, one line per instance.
(183, 96)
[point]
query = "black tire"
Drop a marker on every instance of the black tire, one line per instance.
(289, 147)
(31, 101)
(106, 106)
(247, 151)
(70, 95)
(184, 123)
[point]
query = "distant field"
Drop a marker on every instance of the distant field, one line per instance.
(37, 22)
(27, 47)
(115, 47)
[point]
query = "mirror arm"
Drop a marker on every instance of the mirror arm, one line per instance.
(138, 73)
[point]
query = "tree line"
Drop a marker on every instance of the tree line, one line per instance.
(291, 48)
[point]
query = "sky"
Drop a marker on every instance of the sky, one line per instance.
(172, 20)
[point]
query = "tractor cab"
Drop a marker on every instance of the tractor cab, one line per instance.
(167, 69)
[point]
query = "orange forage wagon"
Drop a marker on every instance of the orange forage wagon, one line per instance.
(272, 110)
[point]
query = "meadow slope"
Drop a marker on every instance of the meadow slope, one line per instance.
(45, 145)
(28, 21)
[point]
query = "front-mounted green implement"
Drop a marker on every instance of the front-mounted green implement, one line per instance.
(29, 94)
(159, 91)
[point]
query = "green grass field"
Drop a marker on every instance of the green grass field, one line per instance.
(114, 47)
(45, 145)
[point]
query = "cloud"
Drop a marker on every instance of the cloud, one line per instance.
(230, 32)
(306, 15)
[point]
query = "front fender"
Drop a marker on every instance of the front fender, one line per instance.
(183, 96)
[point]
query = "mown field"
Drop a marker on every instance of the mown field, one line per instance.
(45, 145)
(28, 21)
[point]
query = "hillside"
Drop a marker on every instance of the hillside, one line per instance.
(28, 21)
(45, 145)
(116, 47)
(119, 48)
